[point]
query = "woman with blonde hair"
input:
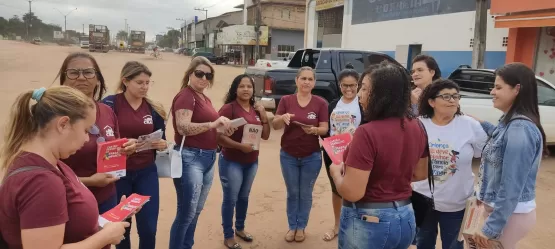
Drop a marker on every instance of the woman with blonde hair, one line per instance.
(138, 115)
(43, 204)
(194, 116)
(81, 71)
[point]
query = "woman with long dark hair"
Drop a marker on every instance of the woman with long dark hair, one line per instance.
(511, 158)
(81, 71)
(385, 156)
(238, 160)
(345, 115)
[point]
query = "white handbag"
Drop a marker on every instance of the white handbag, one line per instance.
(169, 163)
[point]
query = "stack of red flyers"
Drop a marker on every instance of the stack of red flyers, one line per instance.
(123, 210)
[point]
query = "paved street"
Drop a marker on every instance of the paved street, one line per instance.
(24, 66)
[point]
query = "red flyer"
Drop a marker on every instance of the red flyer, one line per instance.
(109, 159)
(336, 145)
(123, 210)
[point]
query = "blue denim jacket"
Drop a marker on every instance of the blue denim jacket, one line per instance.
(508, 169)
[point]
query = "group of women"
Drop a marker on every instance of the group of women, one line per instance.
(51, 195)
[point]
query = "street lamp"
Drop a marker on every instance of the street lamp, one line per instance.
(65, 20)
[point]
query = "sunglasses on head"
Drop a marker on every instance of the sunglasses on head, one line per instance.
(199, 74)
(94, 130)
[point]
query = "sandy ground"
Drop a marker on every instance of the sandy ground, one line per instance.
(25, 66)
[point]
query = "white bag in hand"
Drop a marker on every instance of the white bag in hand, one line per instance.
(169, 162)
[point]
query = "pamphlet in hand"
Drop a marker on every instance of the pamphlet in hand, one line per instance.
(148, 139)
(301, 124)
(336, 145)
(110, 159)
(234, 124)
(251, 135)
(473, 220)
(123, 210)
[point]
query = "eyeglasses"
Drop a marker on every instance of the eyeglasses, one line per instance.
(94, 130)
(355, 86)
(448, 97)
(199, 74)
(88, 73)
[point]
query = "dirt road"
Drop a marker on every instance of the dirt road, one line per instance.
(25, 66)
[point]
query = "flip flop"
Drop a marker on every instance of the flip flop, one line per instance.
(234, 246)
(330, 235)
(248, 237)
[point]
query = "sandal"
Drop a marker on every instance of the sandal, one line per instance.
(248, 237)
(330, 235)
(298, 237)
(234, 246)
(290, 236)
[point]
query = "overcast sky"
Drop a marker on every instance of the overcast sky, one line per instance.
(147, 15)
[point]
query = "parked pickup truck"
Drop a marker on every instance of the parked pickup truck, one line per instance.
(476, 85)
(272, 84)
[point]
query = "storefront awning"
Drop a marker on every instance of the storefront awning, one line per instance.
(543, 19)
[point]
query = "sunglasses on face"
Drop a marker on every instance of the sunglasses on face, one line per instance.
(94, 130)
(73, 74)
(199, 74)
(448, 97)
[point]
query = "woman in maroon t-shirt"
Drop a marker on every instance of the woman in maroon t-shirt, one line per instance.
(238, 160)
(305, 117)
(138, 115)
(194, 117)
(385, 156)
(80, 71)
(42, 202)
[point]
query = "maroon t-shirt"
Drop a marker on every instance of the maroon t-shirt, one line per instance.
(132, 124)
(232, 111)
(203, 112)
(43, 198)
(294, 140)
(83, 163)
(390, 154)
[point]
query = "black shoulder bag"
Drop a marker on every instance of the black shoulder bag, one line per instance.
(424, 205)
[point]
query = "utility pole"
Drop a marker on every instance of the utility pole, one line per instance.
(480, 31)
(65, 20)
(28, 20)
(125, 29)
(205, 26)
(257, 29)
(184, 30)
(83, 29)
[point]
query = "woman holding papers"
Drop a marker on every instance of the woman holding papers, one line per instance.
(238, 160)
(304, 117)
(42, 202)
(137, 115)
(345, 116)
(511, 158)
(454, 140)
(385, 156)
(194, 116)
(80, 71)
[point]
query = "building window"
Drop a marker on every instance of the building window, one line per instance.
(471, 42)
(505, 41)
(284, 50)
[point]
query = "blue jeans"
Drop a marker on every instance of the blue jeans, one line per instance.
(395, 230)
(237, 179)
(300, 175)
(191, 190)
(142, 182)
(450, 225)
(108, 204)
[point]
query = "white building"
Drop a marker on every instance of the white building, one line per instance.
(402, 29)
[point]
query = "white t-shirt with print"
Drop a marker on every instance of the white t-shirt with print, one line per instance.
(452, 148)
(345, 117)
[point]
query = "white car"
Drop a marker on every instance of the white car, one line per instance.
(475, 86)
(84, 44)
(275, 63)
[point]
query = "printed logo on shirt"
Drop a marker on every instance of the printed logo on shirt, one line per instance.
(342, 122)
(109, 131)
(311, 115)
(444, 160)
(147, 119)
